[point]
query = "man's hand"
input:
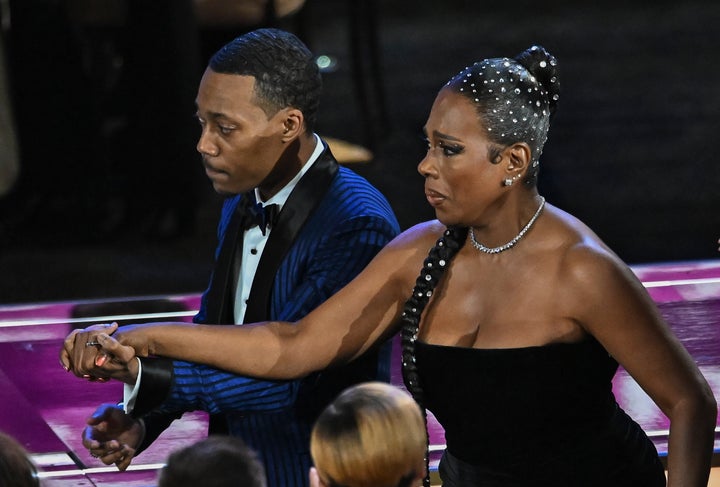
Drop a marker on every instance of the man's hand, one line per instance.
(112, 436)
(94, 355)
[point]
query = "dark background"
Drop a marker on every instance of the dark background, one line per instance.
(113, 202)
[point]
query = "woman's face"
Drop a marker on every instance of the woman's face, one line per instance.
(460, 180)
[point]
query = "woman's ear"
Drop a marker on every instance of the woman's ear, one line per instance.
(519, 156)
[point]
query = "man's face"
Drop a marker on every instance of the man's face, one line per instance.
(239, 144)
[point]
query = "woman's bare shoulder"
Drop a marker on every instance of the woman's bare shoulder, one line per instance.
(420, 236)
(402, 258)
(583, 255)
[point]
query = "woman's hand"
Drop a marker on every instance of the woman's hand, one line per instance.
(95, 355)
(79, 353)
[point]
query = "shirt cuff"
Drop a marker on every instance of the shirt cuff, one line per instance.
(157, 381)
(130, 393)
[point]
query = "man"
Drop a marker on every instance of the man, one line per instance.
(256, 105)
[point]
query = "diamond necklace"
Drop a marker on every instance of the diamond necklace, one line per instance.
(511, 243)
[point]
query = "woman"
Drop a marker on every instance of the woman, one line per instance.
(517, 321)
(372, 435)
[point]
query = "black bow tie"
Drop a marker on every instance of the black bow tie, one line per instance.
(256, 214)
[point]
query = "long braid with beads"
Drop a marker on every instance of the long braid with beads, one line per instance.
(433, 269)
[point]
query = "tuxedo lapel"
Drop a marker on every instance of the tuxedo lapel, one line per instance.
(220, 299)
(301, 203)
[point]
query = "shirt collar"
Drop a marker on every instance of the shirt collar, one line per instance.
(281, 196)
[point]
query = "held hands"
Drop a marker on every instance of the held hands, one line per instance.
(94, 355)
(112, 436)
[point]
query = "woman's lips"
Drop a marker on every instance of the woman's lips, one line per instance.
(433, 197)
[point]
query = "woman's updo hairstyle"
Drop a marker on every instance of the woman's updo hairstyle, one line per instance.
(515, 100)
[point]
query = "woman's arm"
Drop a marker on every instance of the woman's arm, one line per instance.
(613, 306)
(343, 327)
(359, 315)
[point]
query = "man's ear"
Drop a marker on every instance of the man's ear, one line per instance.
(293, 124)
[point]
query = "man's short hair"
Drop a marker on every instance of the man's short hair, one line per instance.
(216, 461)
(285, 71)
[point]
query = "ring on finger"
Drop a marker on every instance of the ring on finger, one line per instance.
(92, 343)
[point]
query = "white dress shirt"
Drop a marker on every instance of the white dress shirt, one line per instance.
(254, 241)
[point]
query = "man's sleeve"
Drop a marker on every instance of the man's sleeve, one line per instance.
(200, 387)
(149, 395)
(345, 251)
(184, 386)
(174, 387)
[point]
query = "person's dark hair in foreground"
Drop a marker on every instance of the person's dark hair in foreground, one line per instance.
(16, 467)
(516, 324)
(216, 461)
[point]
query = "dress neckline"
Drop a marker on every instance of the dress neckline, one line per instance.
(547, 346)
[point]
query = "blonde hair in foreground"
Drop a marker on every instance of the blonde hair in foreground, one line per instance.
(372, 435)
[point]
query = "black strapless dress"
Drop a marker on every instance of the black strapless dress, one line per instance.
(534, 416)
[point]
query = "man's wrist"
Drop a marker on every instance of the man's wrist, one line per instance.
(134, 371)
(141, 424)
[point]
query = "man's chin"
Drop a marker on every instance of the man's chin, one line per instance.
(224, 191)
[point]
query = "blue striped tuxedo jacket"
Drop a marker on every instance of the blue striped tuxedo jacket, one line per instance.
(331, 226)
